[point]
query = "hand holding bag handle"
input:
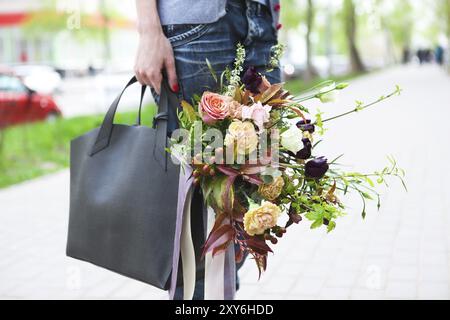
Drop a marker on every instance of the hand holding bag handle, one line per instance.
(167, 98)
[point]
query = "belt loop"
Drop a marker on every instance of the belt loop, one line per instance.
(258, 9)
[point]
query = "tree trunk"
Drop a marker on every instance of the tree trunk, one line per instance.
(106, 35)
(350, 31)
(329, 38)
(448, 34)
(310, 70)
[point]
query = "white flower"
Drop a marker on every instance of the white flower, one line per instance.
(328, 94)
(243, 136)
(292, 139)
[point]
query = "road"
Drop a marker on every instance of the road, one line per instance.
(94, 95)
(401, 252)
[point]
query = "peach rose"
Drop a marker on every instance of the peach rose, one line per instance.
(213, 107)
(235, 110)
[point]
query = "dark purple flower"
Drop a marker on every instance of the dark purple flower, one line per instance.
(305, 153)
(252, 79)
(303, 122)
(316, 168)
(306, 126)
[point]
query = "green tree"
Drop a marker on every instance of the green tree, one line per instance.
(397, 20)
(293, 15)
(446, 8)
(351, 24)
(48, 20)
(448, 20)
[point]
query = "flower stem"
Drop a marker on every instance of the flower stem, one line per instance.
(357, 109)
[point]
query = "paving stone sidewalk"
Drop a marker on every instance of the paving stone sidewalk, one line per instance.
(401, 252)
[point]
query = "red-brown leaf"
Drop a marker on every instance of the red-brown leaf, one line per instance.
(270, 92)
(228, 171)
(215, 237)
(239, 255)
(221, 248)
(259, 246)
(253, 179)
(252, 169)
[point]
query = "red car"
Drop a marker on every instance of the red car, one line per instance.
(19, 104)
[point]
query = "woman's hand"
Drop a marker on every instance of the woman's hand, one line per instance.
(154, 55)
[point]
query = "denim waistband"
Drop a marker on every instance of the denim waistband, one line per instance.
(253, 7)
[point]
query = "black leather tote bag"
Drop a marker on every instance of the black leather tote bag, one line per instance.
(123, 195)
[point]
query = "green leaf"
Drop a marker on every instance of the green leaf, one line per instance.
(342, 86)
(267, 179)
(336, 159)
(317, 224)
(313, 215)
(331, 226)
(189, 111)
(370, 182)
(366, 195)
(207, 188)
(211, 70)
(218, 188)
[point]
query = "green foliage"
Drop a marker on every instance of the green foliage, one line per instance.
(276, 53)
(238, 66)
(319, 122)
(32, 150)
(49, 20)
(400, 22)
(298, 86)
(292, 14)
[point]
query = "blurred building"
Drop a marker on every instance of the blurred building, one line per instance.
(13, 46)
(64, 47)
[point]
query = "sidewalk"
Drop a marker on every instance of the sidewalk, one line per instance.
(401, 252)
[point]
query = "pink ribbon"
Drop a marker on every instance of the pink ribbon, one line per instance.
(229, 268)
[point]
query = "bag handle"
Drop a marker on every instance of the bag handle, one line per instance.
(104, 135)
(166, 99)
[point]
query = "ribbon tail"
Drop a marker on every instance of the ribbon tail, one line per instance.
(184, 186)
(214, 268)
(230, 273)
(187, 251)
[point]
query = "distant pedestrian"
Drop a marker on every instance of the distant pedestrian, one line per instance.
(406, 55)
(439, 55)
(420, 56)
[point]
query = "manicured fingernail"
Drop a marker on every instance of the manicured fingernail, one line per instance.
(175, 87)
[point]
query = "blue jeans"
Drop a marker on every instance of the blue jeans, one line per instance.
(245, 22)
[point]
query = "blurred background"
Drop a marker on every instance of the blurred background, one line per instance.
(63, 61)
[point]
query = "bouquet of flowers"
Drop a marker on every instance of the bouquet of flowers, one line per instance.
(251, 148)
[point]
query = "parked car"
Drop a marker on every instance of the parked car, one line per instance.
(19, 104)
(41, 78)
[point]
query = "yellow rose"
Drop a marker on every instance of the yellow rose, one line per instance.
(243, 134)
(271, 191)
(258, 220)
